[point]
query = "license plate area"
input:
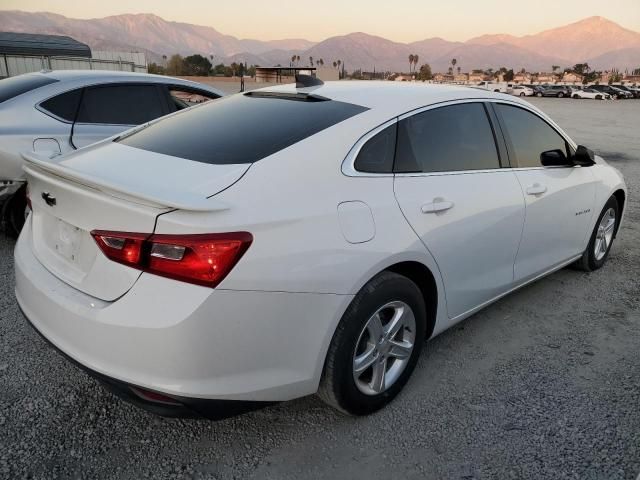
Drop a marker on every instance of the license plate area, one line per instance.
(67, 240)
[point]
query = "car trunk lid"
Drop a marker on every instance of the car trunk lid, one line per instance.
(73, 197)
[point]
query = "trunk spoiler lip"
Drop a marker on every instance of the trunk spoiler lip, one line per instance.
(188, 201)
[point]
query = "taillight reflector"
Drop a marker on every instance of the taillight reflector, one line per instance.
(203, 259)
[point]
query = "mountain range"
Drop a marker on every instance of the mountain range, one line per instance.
(597, 41)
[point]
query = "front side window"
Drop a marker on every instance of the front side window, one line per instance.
(447, 139)
(376, 156)
(121, 104)
(530, 136)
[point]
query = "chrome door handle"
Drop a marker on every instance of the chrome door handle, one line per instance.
(536, 189)
(439, 204)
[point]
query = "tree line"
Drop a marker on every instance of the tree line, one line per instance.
(199, 66)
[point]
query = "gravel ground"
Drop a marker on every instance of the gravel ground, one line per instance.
(543, 384)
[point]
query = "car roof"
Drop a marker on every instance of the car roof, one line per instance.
(69, 79)
(392, 98)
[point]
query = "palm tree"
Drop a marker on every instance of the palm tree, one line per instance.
(410, 61)
(293, 59)
(297, 58)
(459, 69)
(164, 58)
(415, 61)
(453, 63)
(311, 61)
(335, 64)
(450, 70)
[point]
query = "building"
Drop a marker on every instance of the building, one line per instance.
(545, 78)
(461, 78)
(522, 77)
(477, 77)
(287, 74)
(570, 77)
(443, 78)
(28, 52)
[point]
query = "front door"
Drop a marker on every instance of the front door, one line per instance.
(559, 200)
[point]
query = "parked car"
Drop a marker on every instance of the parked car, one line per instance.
(635, 93)
(612, 91)
(536, 89)
(287, 241)
(521, 91)
(493, 86)
(559, 91)
(60, 111)
(591, 93)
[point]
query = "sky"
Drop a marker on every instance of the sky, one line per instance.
(399, 20)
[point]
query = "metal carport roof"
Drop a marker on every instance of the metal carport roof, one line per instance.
(35, 44)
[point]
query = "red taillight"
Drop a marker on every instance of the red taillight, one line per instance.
(203, 259)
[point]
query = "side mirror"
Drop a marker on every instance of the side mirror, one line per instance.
(554, 158)
(583, 156)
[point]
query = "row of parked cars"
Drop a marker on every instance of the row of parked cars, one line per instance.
(594, 92)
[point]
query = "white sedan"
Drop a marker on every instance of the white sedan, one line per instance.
(294, 240)
(521, 91)
(590, 93)
(55, 112)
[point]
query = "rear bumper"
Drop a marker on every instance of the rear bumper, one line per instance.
(182, 340)
(179, 407)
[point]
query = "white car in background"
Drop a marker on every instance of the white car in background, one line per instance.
(294, 240)
(498, 87)
(521, 91)
(56, 112)
(590, 94)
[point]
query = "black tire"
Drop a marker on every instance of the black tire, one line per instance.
(539, 94)
(13, 212)
(337, 385)
(522, 94)
(576, 96)
(588, 261)
(560, 95)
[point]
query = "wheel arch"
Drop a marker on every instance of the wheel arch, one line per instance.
(621, 198)
(422, 276)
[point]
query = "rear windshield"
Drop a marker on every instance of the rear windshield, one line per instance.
(241, 128)
(13, 86)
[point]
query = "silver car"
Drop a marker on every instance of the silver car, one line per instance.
(54, 112)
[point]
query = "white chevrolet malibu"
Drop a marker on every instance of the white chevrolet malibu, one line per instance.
(301, 239)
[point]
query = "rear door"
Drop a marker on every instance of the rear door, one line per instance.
(559, 200)
(467, 210)
(107, 110)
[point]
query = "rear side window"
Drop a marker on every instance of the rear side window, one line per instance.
(241, 128)
(182, 98)
(64, 106)
(13, 86)
(376, 156)
(447, 139)
(121, 104)
(529, 135)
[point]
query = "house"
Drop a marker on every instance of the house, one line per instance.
(404, 78)
(443, 77)
(542, 77)
(522, 78)
(570, 77)
(634, 79)
(461, 78)
(477, 77)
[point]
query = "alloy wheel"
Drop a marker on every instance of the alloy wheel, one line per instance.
(384, 348)
(604, 235)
